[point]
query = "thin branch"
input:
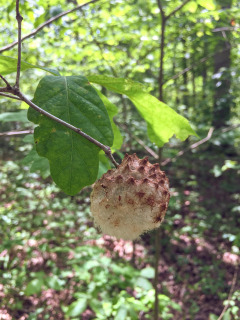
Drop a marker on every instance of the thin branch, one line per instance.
(230, 294)
(161, 8)
(157, 257)
(106, 149)
(177, 9)
(14, 133)
(19, 21)
(9, 96)
(13, 44)
(225, 29)
(195, 145)
(7, 83)
(149, 150)
(200, 61)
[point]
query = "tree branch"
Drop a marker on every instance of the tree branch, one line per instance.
(13, 44)
(177, 9)
(106, 149)
(9, 96)
(7, 83)
(149, 150)
(13, 133)
(195, 145)
(161, 8)
(230, 294)
(19, 94)
(19, 21)
(200, 61)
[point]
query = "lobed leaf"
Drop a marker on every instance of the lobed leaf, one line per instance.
(73, 159)
(163, 122)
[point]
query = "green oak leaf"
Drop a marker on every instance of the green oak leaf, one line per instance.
(112, 111)
(73, 159)
(163, 121)
(9, 65)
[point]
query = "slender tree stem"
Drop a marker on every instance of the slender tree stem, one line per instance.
(19, 21)
(157, 254)
(161, 59)
(164, 19)
(230, 294)
(9, 96)
(13, 44)
(7, 83)
(177, 9)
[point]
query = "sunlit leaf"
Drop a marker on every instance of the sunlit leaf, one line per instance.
(163, 120)
(112, 111)
(34, 286)
(76, 308)
(73, 159)
(143, 283)
(208, 4)
(121, 314)
(8, 65)
(147, 273)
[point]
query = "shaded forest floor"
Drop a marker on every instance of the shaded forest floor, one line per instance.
(42, 230)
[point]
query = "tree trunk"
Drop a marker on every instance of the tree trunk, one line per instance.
(222, 62)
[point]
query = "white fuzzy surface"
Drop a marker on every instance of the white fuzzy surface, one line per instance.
(130, 200)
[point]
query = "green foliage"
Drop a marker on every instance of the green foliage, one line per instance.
(73, 159)
(151, 109)
(8, 65)
(14, 116)
(112, 111)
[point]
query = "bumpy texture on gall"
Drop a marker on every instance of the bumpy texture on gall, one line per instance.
(130, 200)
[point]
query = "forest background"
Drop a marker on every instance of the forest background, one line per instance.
(53, 263)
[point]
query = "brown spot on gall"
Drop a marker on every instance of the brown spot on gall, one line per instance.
(119, 198)
(140, 194)
(144, 161)
(119, 178)
(107, 206)
(152, 170)
(153, 176)
(150, 201)
(130, 201)
(145, 180)
(126, 169)
(156, 166)
(158, 219)
(141, 169)
(163, 207)
(103, 186)
(131, 180)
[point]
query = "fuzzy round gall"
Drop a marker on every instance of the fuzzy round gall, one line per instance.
(130, 200)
